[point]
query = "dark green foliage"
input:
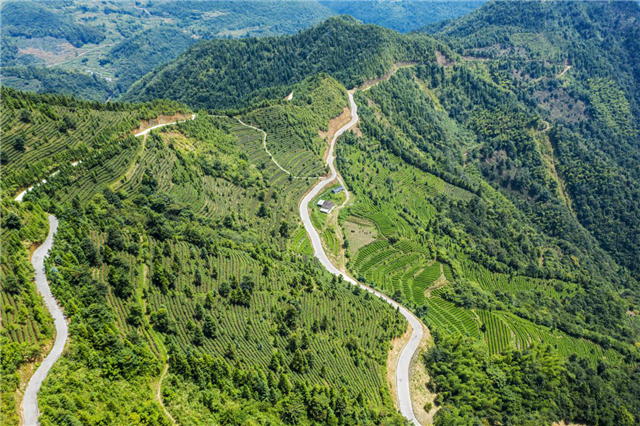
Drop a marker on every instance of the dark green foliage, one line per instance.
(136, 56)
(234, 19)
(348, 51)
(595, 148)
(46, 80)
(34, 19)
(527, 387)
(12, 221)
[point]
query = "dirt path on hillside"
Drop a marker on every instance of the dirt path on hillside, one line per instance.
(159, 392)
(162, 120)
(567, 67)
(394, 69)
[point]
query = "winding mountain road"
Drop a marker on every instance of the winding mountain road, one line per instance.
(404, 362)
(30, 412)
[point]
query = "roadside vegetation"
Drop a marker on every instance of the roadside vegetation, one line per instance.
(187, 260)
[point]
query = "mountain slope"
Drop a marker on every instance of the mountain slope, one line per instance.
(185, 247)
(136, 56)
(225, 74)
(31, 19)
(577, 62)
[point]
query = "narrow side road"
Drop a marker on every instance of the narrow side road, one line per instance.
(159, 392)
(264, 146)
(30, 412)
(157, 126)
(404, 362)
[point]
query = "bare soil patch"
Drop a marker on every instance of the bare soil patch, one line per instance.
(440, 282)
(392, 362)
(162, 119)
(335, 124)
(359, 233)
(442, 60)
(561, 105)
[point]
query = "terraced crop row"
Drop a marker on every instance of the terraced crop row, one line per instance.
(46, 145)
(246, 329)
(424, 279)
(396, 268)
(451, 319)
(289, 191)
(286, 140)
(330, 239)
(497, 334)
(526, 333)
(492, 281)
(90, 177)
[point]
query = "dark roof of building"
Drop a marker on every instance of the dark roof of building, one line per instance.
(338, 189)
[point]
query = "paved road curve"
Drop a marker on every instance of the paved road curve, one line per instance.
(30, 410)
(402, 372)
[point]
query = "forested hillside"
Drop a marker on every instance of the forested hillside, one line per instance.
(119, 42)
(595, 104)
(212, 75)
(106, 46)
(498, 194)
(30, 19)
(478, 262)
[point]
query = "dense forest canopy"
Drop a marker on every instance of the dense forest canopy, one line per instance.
(595, 106)
(212, 75)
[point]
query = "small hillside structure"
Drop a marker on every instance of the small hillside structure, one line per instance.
(320, 203)
(338, 189)
(327, 206)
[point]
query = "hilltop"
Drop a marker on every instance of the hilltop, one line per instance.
(212, 75)
(97, 50)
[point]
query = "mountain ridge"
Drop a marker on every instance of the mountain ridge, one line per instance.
(329, 47)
